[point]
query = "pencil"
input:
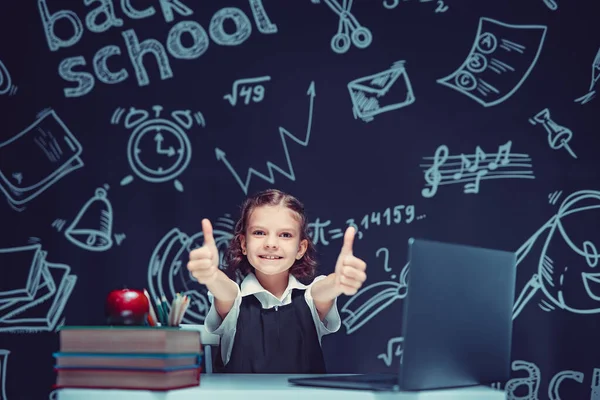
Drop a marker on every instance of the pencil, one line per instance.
(160, 311)
(151, 314)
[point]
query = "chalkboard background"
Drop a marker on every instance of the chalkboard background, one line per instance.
(126, 123)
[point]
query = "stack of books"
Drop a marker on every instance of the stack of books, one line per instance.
(128, 357)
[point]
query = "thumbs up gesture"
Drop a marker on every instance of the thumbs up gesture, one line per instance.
(204, 261)
(349, 270)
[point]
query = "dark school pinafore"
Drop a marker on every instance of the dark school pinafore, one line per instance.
(280, 340)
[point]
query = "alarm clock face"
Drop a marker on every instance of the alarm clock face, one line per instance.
(158, 150)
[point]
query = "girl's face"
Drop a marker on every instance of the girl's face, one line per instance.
(272, 239)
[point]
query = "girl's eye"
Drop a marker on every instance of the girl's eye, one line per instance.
(287, 235)
(257, 232)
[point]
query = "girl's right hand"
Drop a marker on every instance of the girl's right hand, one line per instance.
(204, 261)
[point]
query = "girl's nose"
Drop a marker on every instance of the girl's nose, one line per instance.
(271, 243)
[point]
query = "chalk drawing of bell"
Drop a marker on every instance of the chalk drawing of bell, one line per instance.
(92, 227)
(501, 58)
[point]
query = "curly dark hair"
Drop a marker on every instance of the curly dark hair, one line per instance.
(237, 265)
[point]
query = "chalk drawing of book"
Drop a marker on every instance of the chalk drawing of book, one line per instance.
(34, 291)
(36, 158)
(381, 92)
(168, 274)
(373, 299)
(501, 58)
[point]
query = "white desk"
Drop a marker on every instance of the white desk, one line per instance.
(276, 387)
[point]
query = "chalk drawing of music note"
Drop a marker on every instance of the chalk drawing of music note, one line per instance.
(443, 169)
(502, 150)
(433, 177)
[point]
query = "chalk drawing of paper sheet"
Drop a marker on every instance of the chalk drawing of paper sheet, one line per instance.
(500, 60)
(381, 92)
(36, 158)
(35, 292)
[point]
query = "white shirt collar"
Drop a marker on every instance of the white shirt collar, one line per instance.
(251, 285)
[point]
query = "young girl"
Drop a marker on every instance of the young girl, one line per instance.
(273, 323)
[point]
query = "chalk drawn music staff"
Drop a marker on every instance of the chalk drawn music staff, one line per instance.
(472, 169)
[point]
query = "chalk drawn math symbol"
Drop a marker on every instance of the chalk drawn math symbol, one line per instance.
(394, 349)
(284, 136)
(249, 89)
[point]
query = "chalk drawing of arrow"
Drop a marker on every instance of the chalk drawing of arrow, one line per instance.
(285, 134)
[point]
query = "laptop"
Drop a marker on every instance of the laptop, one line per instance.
(456, 322)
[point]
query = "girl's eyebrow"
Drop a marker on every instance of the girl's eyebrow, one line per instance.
(253, 227)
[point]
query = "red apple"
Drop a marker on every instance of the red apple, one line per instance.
(126, 307)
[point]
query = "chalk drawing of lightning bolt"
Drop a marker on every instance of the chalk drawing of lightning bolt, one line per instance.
(285, 134)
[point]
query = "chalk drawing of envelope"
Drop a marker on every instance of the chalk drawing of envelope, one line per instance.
(55, 150)
(381, 92)
(501, 58)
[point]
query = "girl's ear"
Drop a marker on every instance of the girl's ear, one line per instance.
(302, 249)
(242, 240)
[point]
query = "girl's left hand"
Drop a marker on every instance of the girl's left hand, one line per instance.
(349, 270)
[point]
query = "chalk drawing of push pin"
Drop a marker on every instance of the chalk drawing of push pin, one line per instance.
(558, 136)
(349, 30)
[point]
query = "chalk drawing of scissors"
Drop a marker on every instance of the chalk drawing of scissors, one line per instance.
(349, 30)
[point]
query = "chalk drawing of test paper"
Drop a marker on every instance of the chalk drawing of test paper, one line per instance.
(35, 292)
(500, 60)
(381, 92)
(168, 274)
(55, 150)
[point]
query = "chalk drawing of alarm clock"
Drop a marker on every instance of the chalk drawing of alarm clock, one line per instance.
(159, 151)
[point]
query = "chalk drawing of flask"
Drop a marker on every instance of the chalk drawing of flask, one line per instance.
(558, 136)
(92, 227)
(3, 363)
